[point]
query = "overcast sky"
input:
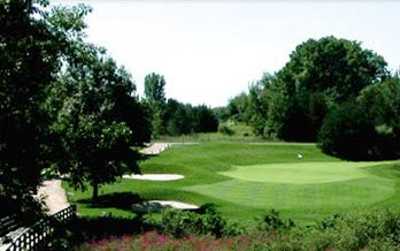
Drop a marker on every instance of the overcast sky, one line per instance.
(210, 51)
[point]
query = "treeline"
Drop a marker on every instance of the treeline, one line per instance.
(66, 107)
(171, 117)
(331, 91)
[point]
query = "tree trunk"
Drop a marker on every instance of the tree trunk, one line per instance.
(95, 194)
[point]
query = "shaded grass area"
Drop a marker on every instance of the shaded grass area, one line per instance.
(243, 200)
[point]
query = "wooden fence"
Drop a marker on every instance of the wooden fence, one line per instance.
(37, 236)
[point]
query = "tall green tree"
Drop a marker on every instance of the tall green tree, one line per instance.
(258, 104)
(154, 94)
(366, 128)
(154, 85)
(31, 46)
(205, 119)
(92, 122)
(238, 107)
(320, 73)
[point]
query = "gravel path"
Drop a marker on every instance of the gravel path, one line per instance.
(54, 196)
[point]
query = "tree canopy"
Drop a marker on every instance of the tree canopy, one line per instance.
(62, 101)
(30, 49)
(154, 85)
(319, 73)
(96, 118)
(367, 127)
(292, 103)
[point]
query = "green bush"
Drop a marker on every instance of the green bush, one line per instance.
(374, 230)
(180, 223)
(347, 132)
(273, 221)
(224, 129)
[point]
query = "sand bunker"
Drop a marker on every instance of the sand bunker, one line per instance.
(155, 177)
(158, 205)
(155, 148)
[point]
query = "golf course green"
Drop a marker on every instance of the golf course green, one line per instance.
(301, 173)
(246, 180)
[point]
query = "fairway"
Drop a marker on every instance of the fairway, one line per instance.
(302, 172)
(246, 180)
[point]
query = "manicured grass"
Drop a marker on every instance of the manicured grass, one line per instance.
(301, 173)
(246, 180)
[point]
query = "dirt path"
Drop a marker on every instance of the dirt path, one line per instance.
(54, 196)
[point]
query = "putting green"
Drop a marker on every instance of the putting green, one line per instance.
(301, 172)
(338, 195)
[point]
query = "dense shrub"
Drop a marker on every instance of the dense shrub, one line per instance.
(224, 129)
(272, 221)
(348, 133)
(178, 118)
(319, 73)
(368, 127)
(180, 223)
(376, 230)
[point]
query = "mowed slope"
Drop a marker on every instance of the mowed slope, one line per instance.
(246, 180)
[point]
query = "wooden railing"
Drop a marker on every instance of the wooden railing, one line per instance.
(37, 236)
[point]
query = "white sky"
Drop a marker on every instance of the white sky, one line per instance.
(210, 51)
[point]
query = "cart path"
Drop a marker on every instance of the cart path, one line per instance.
(54, 195)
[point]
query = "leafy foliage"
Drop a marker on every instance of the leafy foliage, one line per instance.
(258, 104)
(367, 128)
(95, 120)
(320, 73)
(377, 230)
(30, 49)
(238, 107)
(292, 104)
(348, 133)
(180, 223)
(154, 85)
(224, 129)
(272, 221)
(154, 94)
(178, 119)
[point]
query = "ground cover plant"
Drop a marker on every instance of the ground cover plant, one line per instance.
(374, 230)
(245, 180)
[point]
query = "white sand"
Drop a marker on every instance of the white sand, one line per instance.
(159, 147)
(158, 205)
(154, 177)
(155, 148)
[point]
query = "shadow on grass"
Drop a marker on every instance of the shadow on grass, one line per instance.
(121, 200)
